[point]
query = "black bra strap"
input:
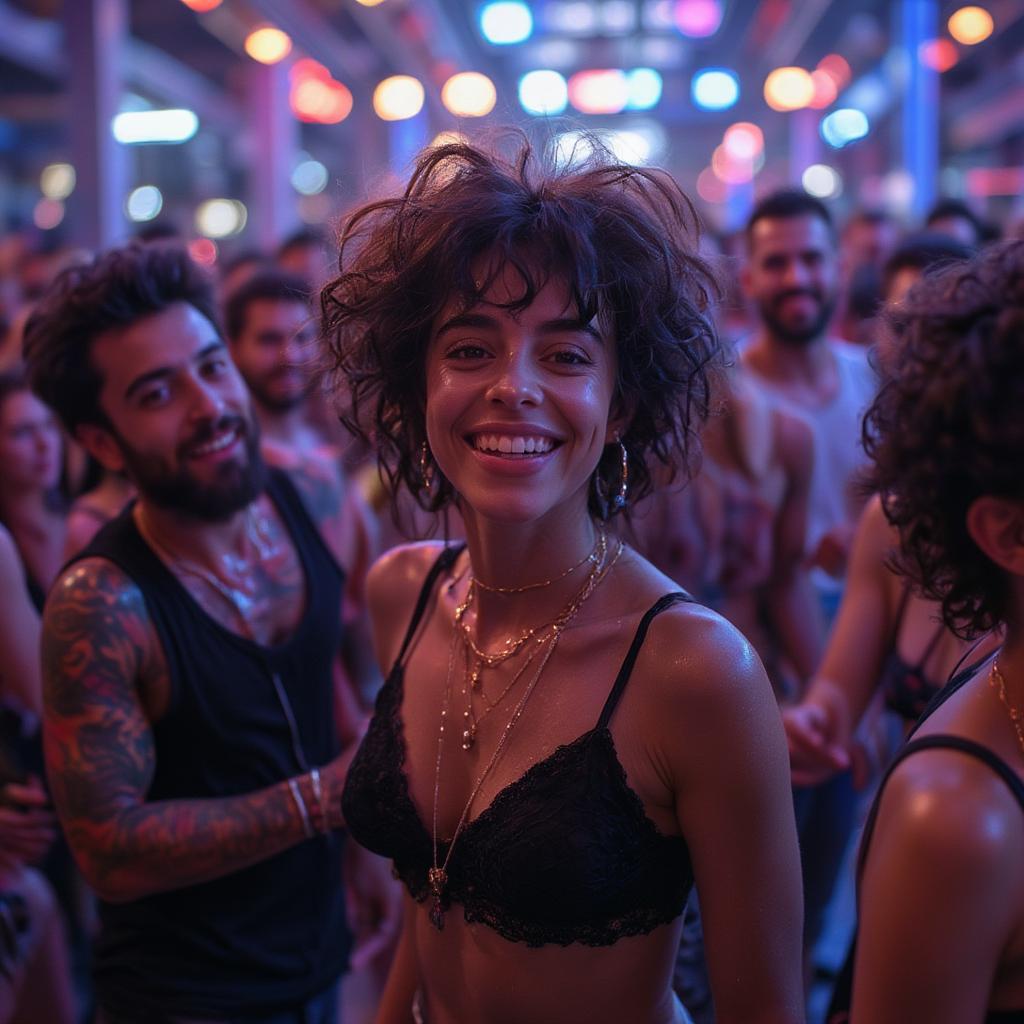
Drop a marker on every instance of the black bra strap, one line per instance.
(634, 650)
(941, 741)
(444, 562)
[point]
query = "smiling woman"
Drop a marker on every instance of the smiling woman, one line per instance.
(565, 742)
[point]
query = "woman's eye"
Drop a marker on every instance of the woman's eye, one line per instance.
(466, 352)
(571, 357)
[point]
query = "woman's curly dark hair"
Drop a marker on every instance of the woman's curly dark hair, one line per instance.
(948, 427)
(623, 238)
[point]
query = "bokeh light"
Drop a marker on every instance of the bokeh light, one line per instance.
(220, 218)
(268, 45)
(543, 93)
(837, 68)
(506, 22)
(202, 6)
(144, 203)
(697, 19)
(711, 188)
(743, 141)
(825, 91)
(822, 181)
(970, 25)
(309, 178)
(469, 94)
(57, 181)
(644, 86)
(938, 54)
(715, 89)
(599, 92)
(47, 214)
(398, 98)
(843, 126)
(135, 127)
(203, 251)
(315, 96)
(730, 170)
(788, 89)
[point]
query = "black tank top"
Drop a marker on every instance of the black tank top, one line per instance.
(564, 854)
(906, 686)
(934, 741)
(273, 934)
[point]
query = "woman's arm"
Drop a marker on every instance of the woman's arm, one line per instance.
(940, 894)
(819, 729)
(726, 756)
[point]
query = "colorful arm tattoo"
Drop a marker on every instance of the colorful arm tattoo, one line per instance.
(103, 676)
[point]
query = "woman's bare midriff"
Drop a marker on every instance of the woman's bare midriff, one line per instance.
(468, 973)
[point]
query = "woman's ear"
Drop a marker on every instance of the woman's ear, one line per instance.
(996, 525)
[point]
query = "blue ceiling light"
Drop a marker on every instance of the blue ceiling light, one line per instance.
(715, 89)
(506, 22)
(543, 93)
(645, 87)
(843, 126)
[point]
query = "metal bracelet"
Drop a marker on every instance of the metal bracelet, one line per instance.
(307, 825)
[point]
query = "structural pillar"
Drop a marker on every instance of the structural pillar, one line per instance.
(804, 142)
(917, 22)
(94, 35)
(273, 205)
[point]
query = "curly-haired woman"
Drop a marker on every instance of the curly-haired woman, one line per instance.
(564, 742)
(941, 935)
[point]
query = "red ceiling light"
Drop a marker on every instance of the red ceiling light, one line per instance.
(315, 96)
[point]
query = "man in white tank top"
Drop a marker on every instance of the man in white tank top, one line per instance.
(792, 276)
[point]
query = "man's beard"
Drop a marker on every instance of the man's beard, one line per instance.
(176, 489)
(277, 403)
(798, 336)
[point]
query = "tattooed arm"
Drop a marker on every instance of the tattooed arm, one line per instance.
(104, 682)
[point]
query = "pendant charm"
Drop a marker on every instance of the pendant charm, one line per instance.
(468, 738)
(474, 679)
(437, 878)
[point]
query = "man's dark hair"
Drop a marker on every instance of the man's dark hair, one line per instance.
(925, 251)
(303, 237)
(787, 204)
(948, 427)
(945, 208)
(117, 289)
(270, 285)
(624, 240)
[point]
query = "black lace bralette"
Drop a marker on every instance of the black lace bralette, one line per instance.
(564, 854)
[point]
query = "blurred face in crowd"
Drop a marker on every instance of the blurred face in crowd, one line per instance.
(180, 422)
(274, 352)
(30, 444)
(868, 241)
(960, 228)
(792, 276)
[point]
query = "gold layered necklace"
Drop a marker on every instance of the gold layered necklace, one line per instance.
(477, 659)
(997, 681)
(547, 641)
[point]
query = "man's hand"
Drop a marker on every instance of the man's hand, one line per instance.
(833, 550)
(374, 906)
(816, 752)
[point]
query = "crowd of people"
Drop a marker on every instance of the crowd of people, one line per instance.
(515, 606)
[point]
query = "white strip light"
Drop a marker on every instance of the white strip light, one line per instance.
(139, 126)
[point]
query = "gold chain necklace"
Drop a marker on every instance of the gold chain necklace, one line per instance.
(998, 683)
(437, 875)
(514, 646)
(592, 556)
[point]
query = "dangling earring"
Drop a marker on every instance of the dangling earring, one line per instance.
(426, 469)
(620, 499)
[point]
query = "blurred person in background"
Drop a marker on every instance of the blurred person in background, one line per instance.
(954, 218)
(31, 504)
(95, 508)
(35, 974)
(792, 276)
(273, 342)
(305, 254)
(941, 897)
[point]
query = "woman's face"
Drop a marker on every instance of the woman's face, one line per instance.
(30, 444)
(519, 402)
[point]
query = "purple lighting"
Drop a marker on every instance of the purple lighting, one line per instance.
(698, 18)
